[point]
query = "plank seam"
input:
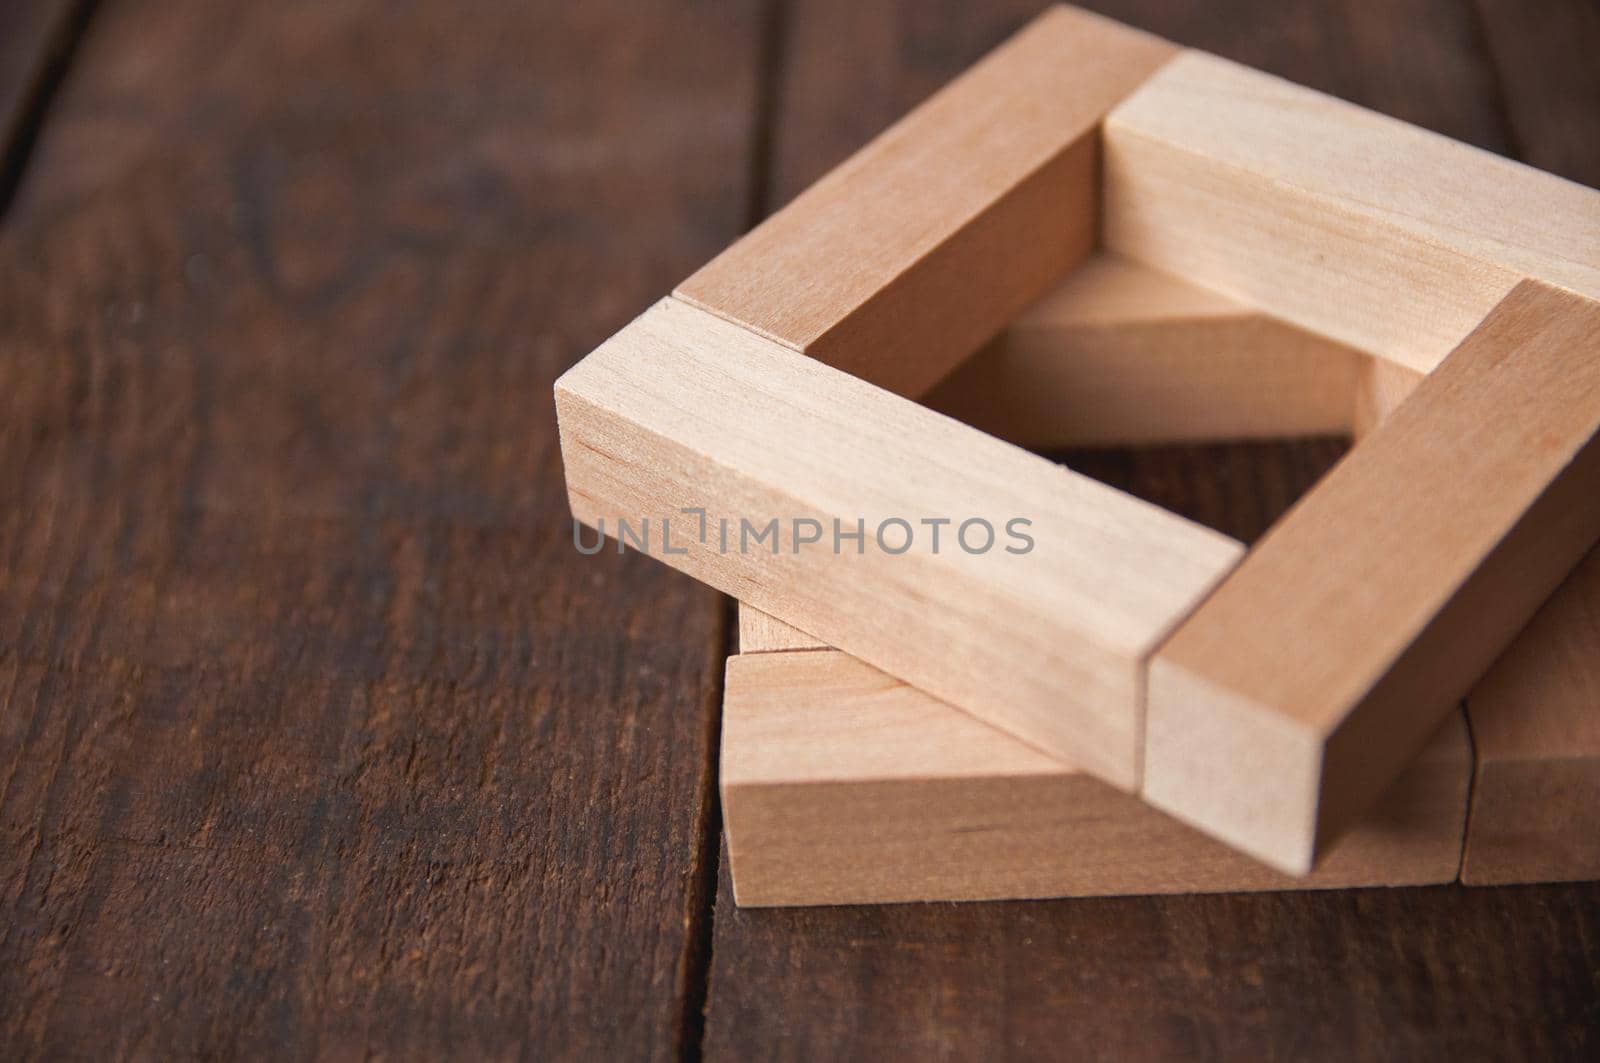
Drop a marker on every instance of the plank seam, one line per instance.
(17, 142)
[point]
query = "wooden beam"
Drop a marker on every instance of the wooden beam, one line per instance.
(1304, 683)
(842, 785)
(910, 255)
(684, 409)
(1536, 727)
(1387, 237)
(1119, 353)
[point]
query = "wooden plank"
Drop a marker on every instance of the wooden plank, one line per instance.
(1536, 726)
(905, 259)
(1118, 353)
(1292, 696)
(1315, 973)
(309, 747)
(1055, 617)
(1390, 238)
(842, 785)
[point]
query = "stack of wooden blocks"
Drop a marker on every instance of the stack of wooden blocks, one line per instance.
(968, 672)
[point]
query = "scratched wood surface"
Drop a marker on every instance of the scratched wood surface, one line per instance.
(316, 736)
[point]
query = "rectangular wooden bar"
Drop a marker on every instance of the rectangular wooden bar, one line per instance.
(920, 247)
(1041, 628)
(841, 785)
(1387, 237)
(1536, 728)
(1120, 353)
(1307, 680)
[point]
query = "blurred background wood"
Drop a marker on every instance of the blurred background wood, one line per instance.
(316, 735)
(36, 42)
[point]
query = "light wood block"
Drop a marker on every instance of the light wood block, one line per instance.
(682, 408)
(910, 255)
(1119, 353)
(841, 785)
(760, 633)
(1536, 725)
(1357, 226)
(1304, 684)
(1382, 387)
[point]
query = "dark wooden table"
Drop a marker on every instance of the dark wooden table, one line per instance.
(317, 737)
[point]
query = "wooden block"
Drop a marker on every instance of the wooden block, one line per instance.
(763, 633)
(1382, 387)
(1119, 353)
(1536, 726)
(841, 785)
(1305, 682)
(760, 633)
(1390, 238)
(682, 408)
(920, 247)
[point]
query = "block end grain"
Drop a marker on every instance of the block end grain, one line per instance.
(1236, 770)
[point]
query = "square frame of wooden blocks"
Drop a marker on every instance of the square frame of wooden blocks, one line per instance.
(1267, 698)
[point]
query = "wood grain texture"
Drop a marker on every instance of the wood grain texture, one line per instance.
(905, 259)
(1380, 389)
(1302, 973)
(684, 409)
(1425, 973)
(1292, 696)
(201, 446)
(842, 785)
(317, 737)
(1536, 727)
(1385, 236)
(762, 633)
(1118, 353)
(1535, 796)
(1312, 974)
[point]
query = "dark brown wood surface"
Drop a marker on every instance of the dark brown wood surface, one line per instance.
(317, 738)
(1544, 55)
(316, 735)
(36, 40)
